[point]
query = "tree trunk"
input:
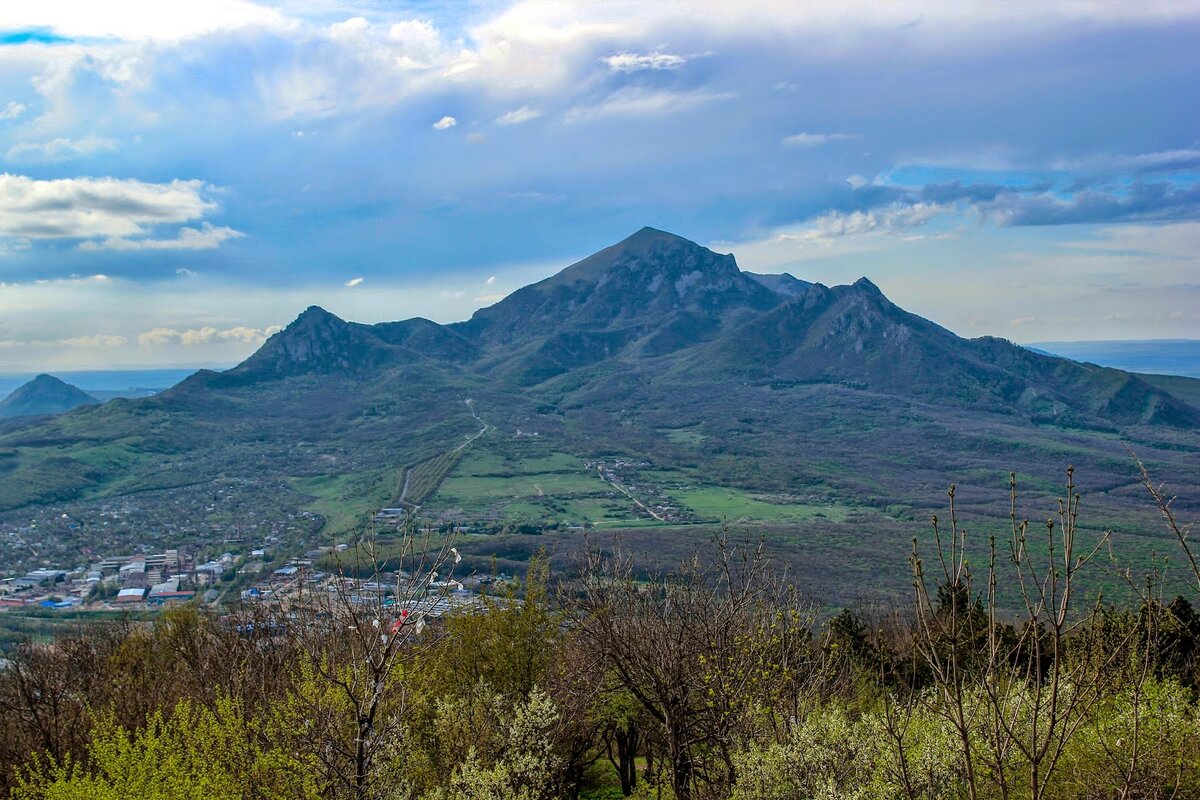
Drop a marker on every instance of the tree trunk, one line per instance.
(681, 771)
(626, 760)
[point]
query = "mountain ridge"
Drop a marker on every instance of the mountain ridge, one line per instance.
(655, 295)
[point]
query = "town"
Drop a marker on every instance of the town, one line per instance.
(149, 581)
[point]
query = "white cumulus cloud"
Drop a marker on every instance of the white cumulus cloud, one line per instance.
(892, 219)
(88, 208)
(635, 62)
(156, 337)
(12, 110)
(350, 284)
(445, 123)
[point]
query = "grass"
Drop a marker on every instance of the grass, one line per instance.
(685, 436)
(722, 502)
(347, 501)
(427, 476)
(558, 484)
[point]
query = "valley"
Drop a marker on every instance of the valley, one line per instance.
(651, 393)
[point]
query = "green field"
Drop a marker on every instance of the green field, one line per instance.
(348, 501)
(523, 482)
(722, 502)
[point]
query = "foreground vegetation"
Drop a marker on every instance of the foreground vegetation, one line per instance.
(714, 679)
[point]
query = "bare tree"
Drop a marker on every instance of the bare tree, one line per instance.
(1015, 692)
(1163, 502)
(697, 648)
(353, 635)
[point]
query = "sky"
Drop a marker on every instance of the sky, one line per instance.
(179, 180)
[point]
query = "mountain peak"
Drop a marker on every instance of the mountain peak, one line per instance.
(644, 248)
(45, 394)
(316, 314)
(634, 285)
(864, 283)
(316, 341)
(648, 235)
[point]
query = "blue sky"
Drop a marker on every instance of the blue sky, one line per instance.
(178, 181)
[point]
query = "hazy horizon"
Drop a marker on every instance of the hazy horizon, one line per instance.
(1171, 356)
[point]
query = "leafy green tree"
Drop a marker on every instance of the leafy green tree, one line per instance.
(195, 753)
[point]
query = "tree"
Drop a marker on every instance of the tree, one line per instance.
(353, 639)
(1014, 694)
(706, 650)
(193, 754)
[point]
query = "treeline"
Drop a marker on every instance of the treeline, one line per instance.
(714, 679)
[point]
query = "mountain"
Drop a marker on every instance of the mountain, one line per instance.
(636, 286)
(45, 394)
(854, 334)
(827, 416)
(653, 293)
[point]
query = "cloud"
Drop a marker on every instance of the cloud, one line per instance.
(12, 110)
(418, 43)
(445, 123)
(158, 337)
(475, 137)
(634, 62)
(636, 101)
(206, 237)
(87, 208)
(96, 340)
(57, 150)
(1141, 202)
(1034, 202)
(892, 219)
(518, 115)
(957, 190)
(816, 139)
(133, 19)
(15, 245)
(350, 284)
(1158, 161)
(490, 280)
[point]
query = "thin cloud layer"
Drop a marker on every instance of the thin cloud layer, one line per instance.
(816, 139)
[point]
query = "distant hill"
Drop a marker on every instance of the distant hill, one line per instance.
(45, 394)
(809, 410)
